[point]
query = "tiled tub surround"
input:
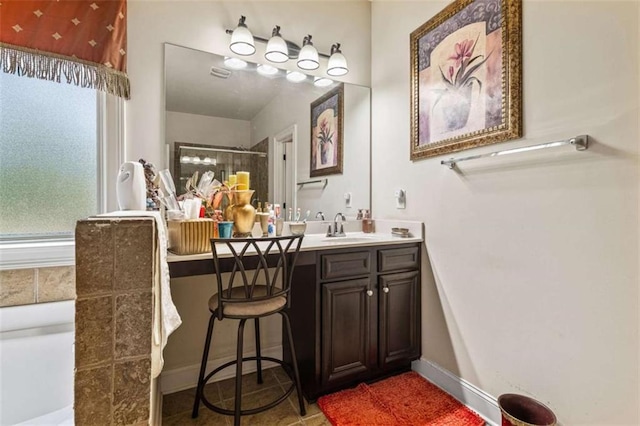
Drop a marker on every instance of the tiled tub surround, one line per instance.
(40, 285)
(114, 270)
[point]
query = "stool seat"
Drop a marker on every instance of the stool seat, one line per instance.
(250, 307)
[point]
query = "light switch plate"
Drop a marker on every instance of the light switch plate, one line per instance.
(347, 200)
(401, 198)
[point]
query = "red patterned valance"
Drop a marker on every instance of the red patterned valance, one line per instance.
(84, 40)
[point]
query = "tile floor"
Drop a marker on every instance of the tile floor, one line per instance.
(176, 407)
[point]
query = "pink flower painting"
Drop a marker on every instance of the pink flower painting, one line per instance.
(466, 77)
(455, 98)
(326, 133)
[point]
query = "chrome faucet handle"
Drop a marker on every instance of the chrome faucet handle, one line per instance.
(329, 233)
(335, 225)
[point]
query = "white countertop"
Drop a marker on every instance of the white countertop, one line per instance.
(319, 241)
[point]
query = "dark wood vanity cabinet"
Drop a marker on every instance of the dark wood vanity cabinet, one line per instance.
(347, 330)
(399, 318)
(355, 315)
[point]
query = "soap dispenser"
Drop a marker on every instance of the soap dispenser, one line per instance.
(368, 224)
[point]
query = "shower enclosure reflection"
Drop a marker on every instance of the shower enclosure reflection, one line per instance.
(223, 161)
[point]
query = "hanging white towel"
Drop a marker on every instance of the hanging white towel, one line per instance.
(165, 316)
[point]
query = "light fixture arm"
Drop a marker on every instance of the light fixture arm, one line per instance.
(293, 47)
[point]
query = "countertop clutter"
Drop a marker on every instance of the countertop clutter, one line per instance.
(316, 239)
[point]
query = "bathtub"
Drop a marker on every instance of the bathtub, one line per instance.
(36, 364)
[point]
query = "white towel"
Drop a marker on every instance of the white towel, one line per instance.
(165, 316)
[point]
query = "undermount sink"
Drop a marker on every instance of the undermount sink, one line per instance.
(347, 239)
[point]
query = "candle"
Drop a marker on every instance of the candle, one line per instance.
(233, 179)
(243, 181)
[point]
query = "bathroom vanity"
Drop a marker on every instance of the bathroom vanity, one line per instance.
(355, 306)
(355, 315)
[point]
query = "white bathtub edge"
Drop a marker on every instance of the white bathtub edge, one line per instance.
(13, 318)
(61, 417)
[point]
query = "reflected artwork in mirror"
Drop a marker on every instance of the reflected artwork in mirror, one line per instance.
(228, 115)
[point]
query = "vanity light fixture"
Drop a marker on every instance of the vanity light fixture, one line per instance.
(242, 39)
(234, 63)
(195, 160)
(185, 159)
(322, 81)
(265, 69)
(277, 50)
(308, 56)
(337, 65)
(296, 76)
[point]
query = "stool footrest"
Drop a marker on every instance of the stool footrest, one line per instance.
(247, 412)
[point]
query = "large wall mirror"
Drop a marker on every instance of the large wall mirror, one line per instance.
(226, 119)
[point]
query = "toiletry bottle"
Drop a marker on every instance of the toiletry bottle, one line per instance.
(271, 229)
(359, 216)
(368, 225)
(279, 220)
(290, 215)
(258, 210)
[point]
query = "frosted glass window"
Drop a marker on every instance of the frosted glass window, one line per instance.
(48, 157)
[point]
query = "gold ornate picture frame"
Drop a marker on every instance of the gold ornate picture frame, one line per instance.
(327, 133)
(466, 74)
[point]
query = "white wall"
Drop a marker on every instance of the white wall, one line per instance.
(201, 25)
(535, 256)
(202, 129)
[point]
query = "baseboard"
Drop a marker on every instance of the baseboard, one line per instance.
(471, 396)
(187, 377)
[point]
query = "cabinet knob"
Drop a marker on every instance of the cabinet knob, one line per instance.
(369, 293)
(385, 289)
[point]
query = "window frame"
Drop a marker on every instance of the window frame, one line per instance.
(39, 252)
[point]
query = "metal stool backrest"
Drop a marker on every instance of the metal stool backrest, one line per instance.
(274, 262)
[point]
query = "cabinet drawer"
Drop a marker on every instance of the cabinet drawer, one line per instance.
(345, 265)
(398, 259)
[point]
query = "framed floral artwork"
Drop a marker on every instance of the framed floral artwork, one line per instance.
(466, 77)
(327, 133)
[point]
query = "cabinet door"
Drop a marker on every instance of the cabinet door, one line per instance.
(399, 317)
(347, 330)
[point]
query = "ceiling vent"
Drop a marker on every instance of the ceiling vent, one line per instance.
(220, 72)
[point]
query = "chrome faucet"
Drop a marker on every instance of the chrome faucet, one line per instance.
(335, 232)
(321, 215)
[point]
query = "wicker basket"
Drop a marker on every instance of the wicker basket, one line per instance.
(191, 236)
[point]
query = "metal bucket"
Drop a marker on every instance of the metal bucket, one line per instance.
(520, 410)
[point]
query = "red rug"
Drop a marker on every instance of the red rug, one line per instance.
(407, 399)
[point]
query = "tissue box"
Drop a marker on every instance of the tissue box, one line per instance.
(191, 236)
